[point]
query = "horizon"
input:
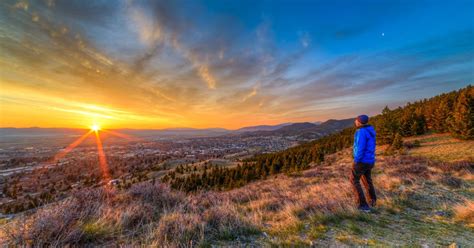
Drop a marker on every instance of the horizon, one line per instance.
(227, 129)
(168, 128)
(158, 65)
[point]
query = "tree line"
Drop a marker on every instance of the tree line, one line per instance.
(449, 112)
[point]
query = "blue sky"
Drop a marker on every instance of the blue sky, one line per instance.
(229, 63)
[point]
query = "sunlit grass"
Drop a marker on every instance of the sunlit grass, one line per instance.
(443, 147)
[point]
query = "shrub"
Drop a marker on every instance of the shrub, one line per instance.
(95, 230)
(224, 223)
(451, 181)
(397, 143)
(159, 195)
(413, 144)
(180, 230)
(464, 212)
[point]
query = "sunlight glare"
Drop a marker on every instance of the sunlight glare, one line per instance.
(95, 128)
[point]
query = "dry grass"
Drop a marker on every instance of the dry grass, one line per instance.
(443, 147)
(146, 214)
(316, 206)
(464, 212)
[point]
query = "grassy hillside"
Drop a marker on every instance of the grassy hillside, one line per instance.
(451, 112)
(423, 201)
(442, 147)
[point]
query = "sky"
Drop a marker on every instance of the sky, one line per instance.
(201, 64)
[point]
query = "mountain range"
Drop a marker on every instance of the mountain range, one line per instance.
(283, 129)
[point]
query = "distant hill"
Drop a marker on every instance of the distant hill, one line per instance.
(177, 132)
(12, 133)
(297, 127)
(35, 135)
(261, 128)
(305, 130)
(36, 131)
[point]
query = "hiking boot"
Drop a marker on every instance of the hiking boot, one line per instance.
(365, 209)
(373, 203)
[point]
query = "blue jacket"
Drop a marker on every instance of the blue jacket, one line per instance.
(364, 145)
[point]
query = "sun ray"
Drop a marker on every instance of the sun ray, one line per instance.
(102, 159)
(100, 149)
(71, 146)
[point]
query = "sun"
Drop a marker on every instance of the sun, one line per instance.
(95, 127)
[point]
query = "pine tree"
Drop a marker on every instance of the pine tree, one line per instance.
(387, 127)
(441, 115)
(462, 120)
(419, 125)
(406, 123)
(397, 142)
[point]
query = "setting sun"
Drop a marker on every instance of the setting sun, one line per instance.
(95, 127)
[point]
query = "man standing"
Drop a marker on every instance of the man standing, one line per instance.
(364, 159)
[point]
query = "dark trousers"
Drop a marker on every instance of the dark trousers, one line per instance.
(362, 170)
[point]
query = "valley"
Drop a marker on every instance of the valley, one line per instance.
(422, 202)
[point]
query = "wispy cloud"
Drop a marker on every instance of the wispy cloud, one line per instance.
(161, 64)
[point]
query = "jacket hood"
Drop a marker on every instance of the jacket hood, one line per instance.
(370, 129)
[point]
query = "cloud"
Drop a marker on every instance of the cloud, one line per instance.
(402, 67)
(251, 93)
(149, 33)
(163, 25)
(167, 65)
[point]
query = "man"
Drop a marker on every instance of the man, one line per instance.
(364, 159)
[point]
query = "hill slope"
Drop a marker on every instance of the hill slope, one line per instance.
(261, 128)
(422, 202)
(304, 130)
(453, 112)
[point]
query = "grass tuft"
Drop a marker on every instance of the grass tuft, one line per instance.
(464, 212)
(95, 230)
